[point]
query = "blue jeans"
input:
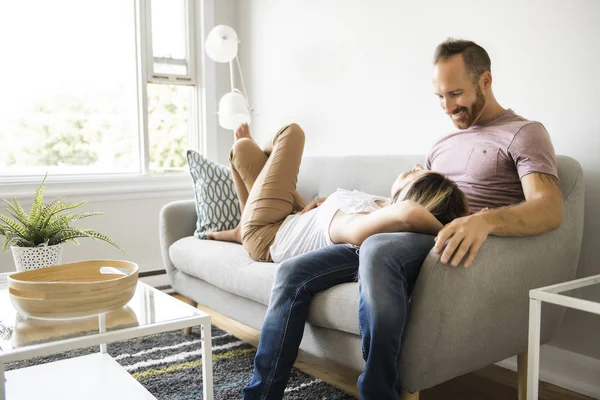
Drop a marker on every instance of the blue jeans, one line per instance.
(388, 266)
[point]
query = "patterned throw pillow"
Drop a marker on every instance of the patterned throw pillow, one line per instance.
(217, 205)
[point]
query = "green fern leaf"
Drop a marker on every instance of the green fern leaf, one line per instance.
(66, 233)
(101, 236)
(87, 214)
(61, 208)
(13, 227)
(18, 210)
(18, 218)
(10, 239)
(7, 236)
(47, 212)
(59, 224)
(69, 234)
(63, 221)
(38, 203)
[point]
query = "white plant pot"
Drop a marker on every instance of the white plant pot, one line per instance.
(27, 258)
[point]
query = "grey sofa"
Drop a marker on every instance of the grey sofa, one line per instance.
(461, 319)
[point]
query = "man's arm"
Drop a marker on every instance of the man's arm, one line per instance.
(541, 212)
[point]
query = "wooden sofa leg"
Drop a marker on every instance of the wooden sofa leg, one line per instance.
(522, 375)
(187, 331)
(409, 396)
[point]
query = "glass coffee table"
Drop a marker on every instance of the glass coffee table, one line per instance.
(581, 294)
(98, 375)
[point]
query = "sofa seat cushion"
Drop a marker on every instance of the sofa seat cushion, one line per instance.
(336, 308)
(229, 267)
(225, 265)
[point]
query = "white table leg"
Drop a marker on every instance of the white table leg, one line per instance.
(102, 329)
(2, 382)
(533, 362)
(207, 372)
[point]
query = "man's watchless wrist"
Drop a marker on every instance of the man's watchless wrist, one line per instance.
(489, 220)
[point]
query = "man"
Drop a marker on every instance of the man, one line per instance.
(506, 167)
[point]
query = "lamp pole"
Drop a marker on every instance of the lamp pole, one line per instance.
(231, 75)
(232, 87)
(221, 45)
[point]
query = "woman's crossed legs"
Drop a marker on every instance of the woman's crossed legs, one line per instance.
(266, 187)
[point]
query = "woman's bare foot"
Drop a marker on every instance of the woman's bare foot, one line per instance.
(232, 235)
(243, 132)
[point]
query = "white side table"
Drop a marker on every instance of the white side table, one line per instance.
(555, 294)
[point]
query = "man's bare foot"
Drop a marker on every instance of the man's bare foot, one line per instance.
(243, 132)
(232, 235)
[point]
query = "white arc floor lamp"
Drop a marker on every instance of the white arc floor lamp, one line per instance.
(222, 46)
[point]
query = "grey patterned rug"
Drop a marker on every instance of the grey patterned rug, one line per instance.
(169, 365)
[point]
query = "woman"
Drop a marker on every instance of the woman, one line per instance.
(276, 224)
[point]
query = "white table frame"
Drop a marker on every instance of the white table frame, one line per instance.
(102, 338)
(551, 294)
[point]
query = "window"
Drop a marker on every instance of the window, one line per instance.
(168, 110)
(96, 87)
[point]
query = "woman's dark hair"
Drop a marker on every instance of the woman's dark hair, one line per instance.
(438, 194)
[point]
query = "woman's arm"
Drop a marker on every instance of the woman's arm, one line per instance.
(313, 204)
(404, 216)
(418, 218)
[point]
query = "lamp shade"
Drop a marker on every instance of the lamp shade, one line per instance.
(222, 44)
(233, 110)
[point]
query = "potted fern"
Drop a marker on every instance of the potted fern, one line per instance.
(36, 237)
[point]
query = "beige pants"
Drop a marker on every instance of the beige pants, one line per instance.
(265, 182)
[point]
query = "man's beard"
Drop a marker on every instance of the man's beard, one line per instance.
(469, 115)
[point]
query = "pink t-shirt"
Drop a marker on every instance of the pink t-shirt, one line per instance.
(487, 161)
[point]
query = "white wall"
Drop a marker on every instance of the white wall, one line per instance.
(131, 222)
(357, 76)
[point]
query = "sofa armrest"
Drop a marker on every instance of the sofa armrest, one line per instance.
(464, 319)
(176, 221)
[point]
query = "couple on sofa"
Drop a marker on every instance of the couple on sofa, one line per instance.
(499, 178)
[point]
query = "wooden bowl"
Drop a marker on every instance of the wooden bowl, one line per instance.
(74, 290)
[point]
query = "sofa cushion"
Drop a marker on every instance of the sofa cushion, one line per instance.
(336, 308)
(225, 265)
(229, 267)
(217, 205)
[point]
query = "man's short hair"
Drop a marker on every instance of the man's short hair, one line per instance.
(476, 59)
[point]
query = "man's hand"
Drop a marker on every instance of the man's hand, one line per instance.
(461, 236)
(313, 204)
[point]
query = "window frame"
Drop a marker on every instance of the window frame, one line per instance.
(190, 47)
(202, 119)
(146, 75)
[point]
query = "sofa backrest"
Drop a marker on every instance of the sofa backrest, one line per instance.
(322, 175)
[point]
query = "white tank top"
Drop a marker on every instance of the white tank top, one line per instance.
(301, 233)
